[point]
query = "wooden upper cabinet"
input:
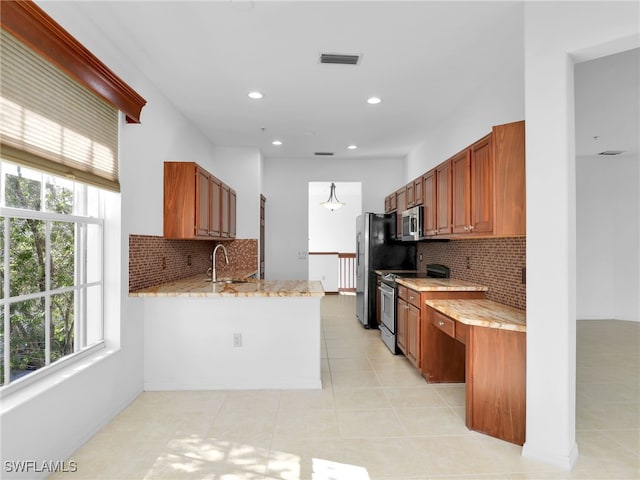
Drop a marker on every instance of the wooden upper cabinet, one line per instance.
(481, 184)
(509, 181)
(224, 208)
(203, 202)
(401, 206)
(410, 194)
(215, 211)
(193, 203)
(443, 198)
(460, 189)
(232, 213)
(479, 191)
(429, 202)
(418, 192)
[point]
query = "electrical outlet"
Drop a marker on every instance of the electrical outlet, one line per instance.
(237, 339)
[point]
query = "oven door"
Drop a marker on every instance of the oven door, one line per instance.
(388, 307)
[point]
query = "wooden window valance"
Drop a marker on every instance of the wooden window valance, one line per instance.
(31, 25)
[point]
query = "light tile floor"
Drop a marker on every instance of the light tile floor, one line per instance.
(374, 419)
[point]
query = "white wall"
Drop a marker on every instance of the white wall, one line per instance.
(553, 32)
(500, 100)
(241, 168)
(334, 231)
(286, 188)
(607, 244)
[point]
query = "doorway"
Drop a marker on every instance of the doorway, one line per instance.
(332, 235)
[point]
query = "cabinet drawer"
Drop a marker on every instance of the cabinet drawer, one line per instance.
(413, 297)
(444, 323)
(402, 292)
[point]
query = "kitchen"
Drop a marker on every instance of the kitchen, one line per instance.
(166, 135)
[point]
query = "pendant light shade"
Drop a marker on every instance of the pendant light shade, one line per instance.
(332, 203)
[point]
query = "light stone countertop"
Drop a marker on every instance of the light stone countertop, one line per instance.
(482, 313)
(440, 284)
(198, 286)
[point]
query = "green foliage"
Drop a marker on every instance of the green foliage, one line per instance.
(27, 264)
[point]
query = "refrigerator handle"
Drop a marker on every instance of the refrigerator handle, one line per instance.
(358, 249)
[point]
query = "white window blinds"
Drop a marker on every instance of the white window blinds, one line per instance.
(51, 122)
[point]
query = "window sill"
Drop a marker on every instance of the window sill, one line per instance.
(29, 387)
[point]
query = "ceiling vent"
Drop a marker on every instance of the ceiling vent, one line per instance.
(339, 58)
(611, 152)
(323, 154)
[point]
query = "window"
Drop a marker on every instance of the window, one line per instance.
(51, 272)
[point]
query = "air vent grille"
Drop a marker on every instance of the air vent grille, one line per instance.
(339, 58)
(611, 152)
(323, 154)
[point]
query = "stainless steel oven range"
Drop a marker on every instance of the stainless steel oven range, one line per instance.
(389, 301)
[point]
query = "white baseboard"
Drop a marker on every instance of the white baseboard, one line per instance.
(564, 462)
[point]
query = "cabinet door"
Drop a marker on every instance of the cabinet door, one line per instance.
(232, 213)
(481, 184)
(410, 195)
(224, 209)
(203, 202)
(429, 202)
(460, 188)
(443, 198)
(393, 202)
(401, 328)
(216, 218)
(413, 335)
(418, 192)
(401, 204)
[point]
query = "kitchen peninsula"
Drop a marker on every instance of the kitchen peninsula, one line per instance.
(248, 334)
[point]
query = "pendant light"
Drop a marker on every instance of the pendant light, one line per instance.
(332, 203)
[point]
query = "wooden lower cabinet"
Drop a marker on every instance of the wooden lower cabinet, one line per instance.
(411, 322)
(490, 361)
(496, 383)
(402, 310)
(413, 335)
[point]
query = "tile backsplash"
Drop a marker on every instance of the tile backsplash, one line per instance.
(155, 260)
(494, 262)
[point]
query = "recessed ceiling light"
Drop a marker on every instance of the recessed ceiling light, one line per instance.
(255, 95)
(374, 100)
(352, 147)
(277, 143)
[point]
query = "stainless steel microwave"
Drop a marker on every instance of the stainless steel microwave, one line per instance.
(412, 220)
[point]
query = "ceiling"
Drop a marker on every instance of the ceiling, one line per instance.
(425, 59)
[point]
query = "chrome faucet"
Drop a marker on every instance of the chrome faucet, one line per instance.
(214, 277)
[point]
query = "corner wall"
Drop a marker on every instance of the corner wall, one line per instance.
(555, 32)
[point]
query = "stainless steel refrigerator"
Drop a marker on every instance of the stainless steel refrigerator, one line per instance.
(376, 249)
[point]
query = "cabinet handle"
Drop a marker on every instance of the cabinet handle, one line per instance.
(471, 227)
(441, 323)
(466, 228)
